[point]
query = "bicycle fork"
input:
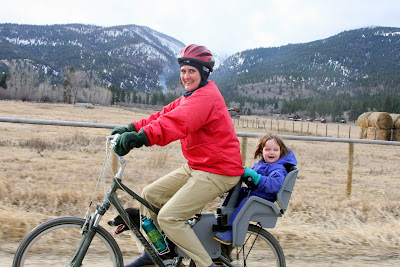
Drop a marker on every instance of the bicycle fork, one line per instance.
(88, 231)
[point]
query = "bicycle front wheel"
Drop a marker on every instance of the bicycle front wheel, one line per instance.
(260, 249)
(54, 243)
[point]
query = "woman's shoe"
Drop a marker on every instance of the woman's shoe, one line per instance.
(224, 237)
(142, 261)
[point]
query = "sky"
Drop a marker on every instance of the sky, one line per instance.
(224, 26)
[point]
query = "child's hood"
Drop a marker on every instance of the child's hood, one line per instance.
(266, 168)
(290, 158)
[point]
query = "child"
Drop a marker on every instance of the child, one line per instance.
(267, 174)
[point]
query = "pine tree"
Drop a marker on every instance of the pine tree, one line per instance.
(3, 80)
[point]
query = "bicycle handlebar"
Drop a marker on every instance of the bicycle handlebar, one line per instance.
(117, 172)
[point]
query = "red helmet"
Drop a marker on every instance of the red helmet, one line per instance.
(199, 54)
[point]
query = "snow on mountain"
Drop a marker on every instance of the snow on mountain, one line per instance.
(130, 56)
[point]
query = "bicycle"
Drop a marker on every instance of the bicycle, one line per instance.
(73, 241)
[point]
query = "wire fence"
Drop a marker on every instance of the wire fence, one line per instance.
(243, 135)
(308, 127)
(316, 128)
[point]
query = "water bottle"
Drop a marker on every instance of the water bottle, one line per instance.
(154, 234)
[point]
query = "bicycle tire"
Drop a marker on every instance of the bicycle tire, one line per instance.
(260, 249)
(45, 245)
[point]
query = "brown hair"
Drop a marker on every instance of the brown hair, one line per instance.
(264, 139)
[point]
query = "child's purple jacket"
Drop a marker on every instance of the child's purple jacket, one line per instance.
(272, 176)
(271, 181)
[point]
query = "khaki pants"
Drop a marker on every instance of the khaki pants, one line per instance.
(180, 195)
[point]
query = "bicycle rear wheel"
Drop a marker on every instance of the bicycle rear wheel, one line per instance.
(260, 249)
(54, 243)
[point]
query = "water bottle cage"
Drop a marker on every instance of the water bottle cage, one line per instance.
(157, 239)
(166, 250)
(160, 252)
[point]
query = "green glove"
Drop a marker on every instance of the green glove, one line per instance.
(123, 129)
(253, 174)
(128, 140)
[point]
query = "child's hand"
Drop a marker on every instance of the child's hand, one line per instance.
(253, 174)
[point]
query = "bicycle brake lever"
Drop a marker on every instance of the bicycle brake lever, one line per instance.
(113, 138)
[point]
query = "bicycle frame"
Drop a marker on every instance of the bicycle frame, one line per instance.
(111, 199)
(204, 226)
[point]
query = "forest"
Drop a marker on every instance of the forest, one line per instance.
(78, 87)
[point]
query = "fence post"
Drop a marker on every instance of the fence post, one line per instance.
(326, 129)
(338, 131)
(243, 149)
(350, 169)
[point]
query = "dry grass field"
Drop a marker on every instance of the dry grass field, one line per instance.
(50, 171)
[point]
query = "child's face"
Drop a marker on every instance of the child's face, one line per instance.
(271, 151)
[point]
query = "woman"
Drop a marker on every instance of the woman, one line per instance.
(201, 121)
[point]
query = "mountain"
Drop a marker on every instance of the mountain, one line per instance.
(138, 58)
(362, 57)
(352, 65)
(131, 57)
(355, 70)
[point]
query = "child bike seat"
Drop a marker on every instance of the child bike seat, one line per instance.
(257, 209)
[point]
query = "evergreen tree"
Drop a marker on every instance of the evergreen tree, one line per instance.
(3, 80)
(387, 105)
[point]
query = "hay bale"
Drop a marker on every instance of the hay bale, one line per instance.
(396, 135)
(371, 133)
(378, 134)
(396, 120)
(362, 120)
(383, 134)
(380, 120)
(363, 133)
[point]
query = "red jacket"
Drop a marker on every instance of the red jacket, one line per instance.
(202, 123)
